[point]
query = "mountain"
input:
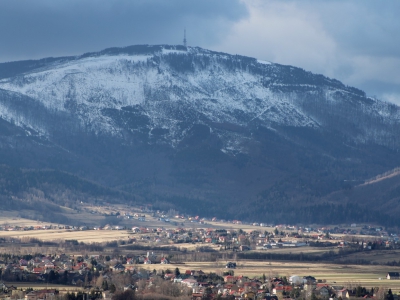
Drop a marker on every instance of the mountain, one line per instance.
(50, 195)
(382, 190)
(201, 131)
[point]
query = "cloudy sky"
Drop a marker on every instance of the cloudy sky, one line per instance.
(357, 42)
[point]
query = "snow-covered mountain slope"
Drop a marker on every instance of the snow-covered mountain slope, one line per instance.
(89, 84)
(176, 123)
(172, 84)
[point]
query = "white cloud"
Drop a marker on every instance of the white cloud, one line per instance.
(391, 97)
(375, 68)
(349, 41)
(286, 33)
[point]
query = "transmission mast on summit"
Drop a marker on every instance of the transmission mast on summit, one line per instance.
(184, 37)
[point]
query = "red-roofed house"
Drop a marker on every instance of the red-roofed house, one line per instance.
(282, 288)
(38, 270)
(230, 279)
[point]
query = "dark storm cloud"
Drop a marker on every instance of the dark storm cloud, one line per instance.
(354, 41)
(32, 29)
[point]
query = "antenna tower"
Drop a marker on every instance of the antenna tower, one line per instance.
(184, 37)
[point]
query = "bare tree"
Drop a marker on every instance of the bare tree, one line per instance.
(99, 281)
(380, 293)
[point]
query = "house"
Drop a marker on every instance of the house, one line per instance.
(344, 293)
(118, 267)
(242, 238)
(322, 291)
(177, 279)
(309, 279)
(230, 265)
(164, 261)
(222, 239)
(41, 294)
(67, 266)
(34, 262)
(276, 281)
(230, 279)
(99, 267)
(18, 294)
(31, 296)
(23, 262)
(8, 288)
(129, 287)
(49, 265)
(189, 282)
(244, 248)
(3, 286)
(82, 265)
(198, 273)
(296, 280)
(140, 259)
(147, 261)
(169, 276)
(197, 296)
(281, 289)
(38, 270)
(135, 229)
(62, 257)
(309, 286)
(393, 275)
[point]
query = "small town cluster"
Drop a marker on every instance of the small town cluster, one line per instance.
(101, 277)
(150, 260)
(281, 236)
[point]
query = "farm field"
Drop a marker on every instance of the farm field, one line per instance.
(38, 286)
(377, 256)
(87, 236)
(306, 249)
(345, 275)
(92, 215)
(16, 221)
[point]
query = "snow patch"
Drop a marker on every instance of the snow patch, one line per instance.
(169, 51)
(264, 62)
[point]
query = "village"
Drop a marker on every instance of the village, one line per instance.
(100, 277)
(150, 257)
(157, 228)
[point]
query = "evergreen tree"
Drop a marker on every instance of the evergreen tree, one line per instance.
(104, 285)
(389, 295)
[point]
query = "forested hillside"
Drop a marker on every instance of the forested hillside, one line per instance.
(199, 131)
(45, 194)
